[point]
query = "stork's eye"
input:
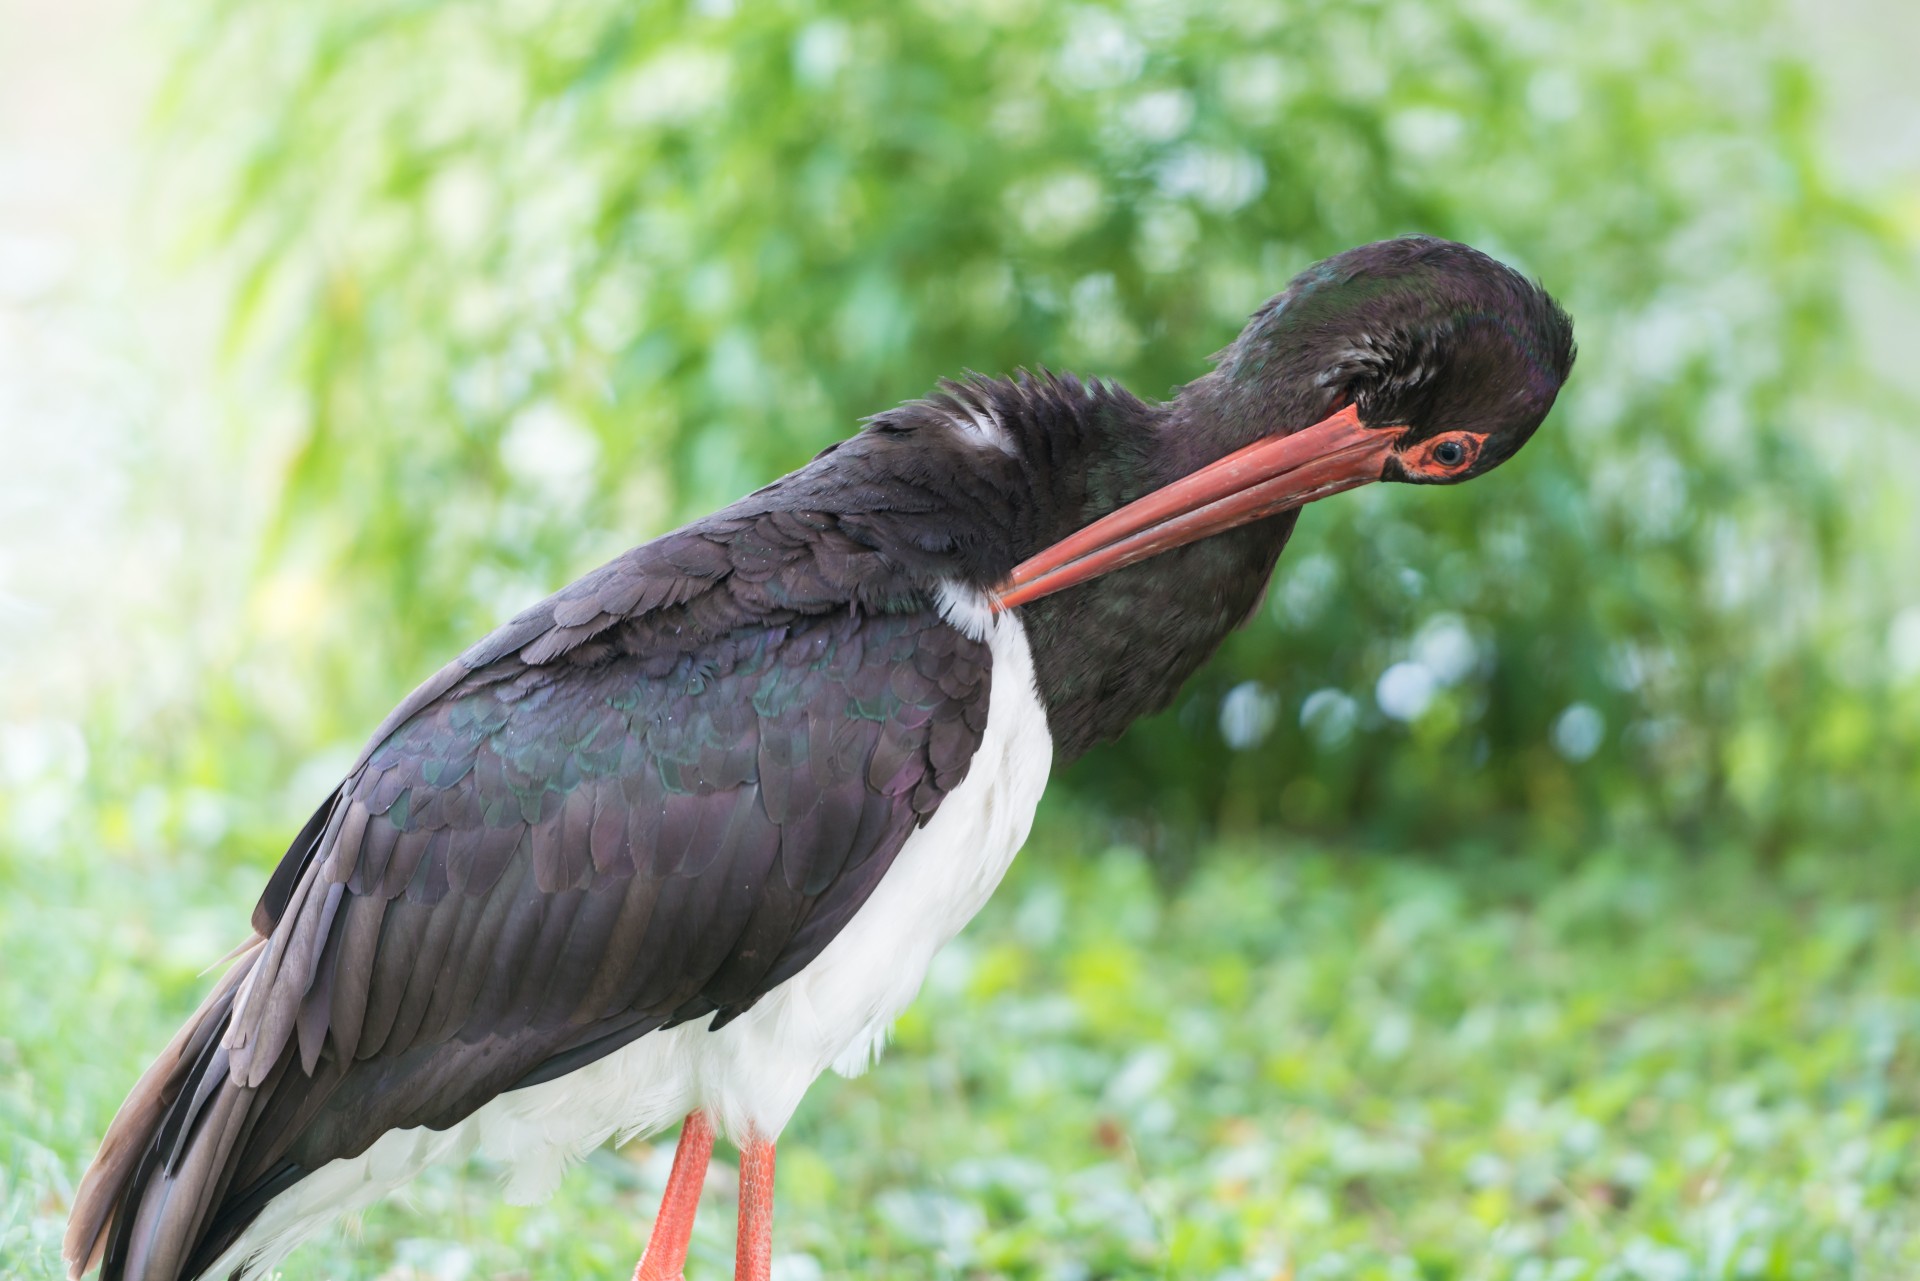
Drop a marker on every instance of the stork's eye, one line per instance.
(1441, 460)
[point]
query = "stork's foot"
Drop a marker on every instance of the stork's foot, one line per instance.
(666, 1255)
(753, 1254)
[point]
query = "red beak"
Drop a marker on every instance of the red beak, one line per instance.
(1268, 477)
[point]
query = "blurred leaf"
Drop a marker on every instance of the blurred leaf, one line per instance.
(555, 277)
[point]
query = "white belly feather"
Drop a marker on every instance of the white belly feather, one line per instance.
(750, 1075)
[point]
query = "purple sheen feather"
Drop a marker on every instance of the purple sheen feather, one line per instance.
(775, 769)
(607, 841)
(577, 610)
(489, 859)
(949, 748)
(359, 935)
(726, 820)
(679, 824)
(344, 850)
(612, 977)
(376, 849)
(407, 853)
(404, 930)
(310, 1021)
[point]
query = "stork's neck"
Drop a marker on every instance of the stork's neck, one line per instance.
(1119, 647)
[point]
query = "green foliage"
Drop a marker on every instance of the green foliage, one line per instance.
(1646, 1067)
(547, 278)
(555, 276)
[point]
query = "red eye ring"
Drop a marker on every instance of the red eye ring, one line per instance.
(1442, 458)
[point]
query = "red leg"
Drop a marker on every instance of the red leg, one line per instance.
(666, 1256)
(753, 1255)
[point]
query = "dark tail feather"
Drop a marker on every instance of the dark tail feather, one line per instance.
(143, 1206)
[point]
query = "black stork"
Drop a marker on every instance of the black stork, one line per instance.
(679, 838)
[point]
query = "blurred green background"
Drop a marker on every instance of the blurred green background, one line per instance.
(1528, 892)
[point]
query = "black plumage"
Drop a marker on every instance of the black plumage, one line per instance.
(659, 794)
(650, 798)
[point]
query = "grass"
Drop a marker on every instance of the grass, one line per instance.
(1304, 1064)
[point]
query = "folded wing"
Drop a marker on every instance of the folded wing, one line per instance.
(650, 799)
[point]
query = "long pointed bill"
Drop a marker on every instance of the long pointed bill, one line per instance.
(1268, 477)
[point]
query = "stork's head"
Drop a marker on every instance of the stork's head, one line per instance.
(1415, 360)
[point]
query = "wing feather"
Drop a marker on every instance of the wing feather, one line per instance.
(650, 799)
